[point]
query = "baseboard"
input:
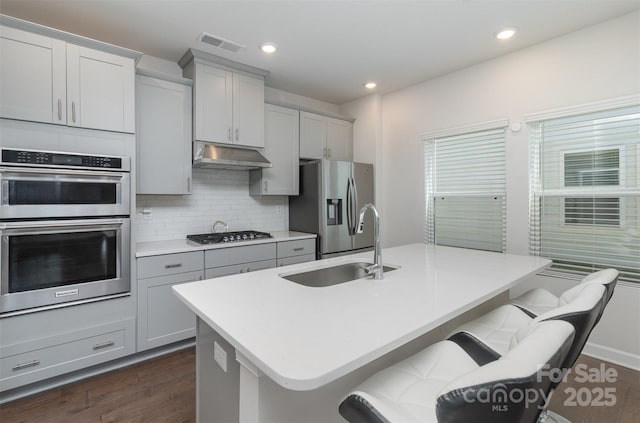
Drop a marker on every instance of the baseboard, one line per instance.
(612, 355)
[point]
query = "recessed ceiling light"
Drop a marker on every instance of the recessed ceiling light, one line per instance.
(370, 85)
(506, 33)
(268, 48)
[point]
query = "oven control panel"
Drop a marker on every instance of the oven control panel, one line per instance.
(46, 158)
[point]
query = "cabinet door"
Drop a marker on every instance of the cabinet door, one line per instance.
(213, 106)
(162, 317)
(32, 77)
(100, 90)
(164, 136)
(313, 135)
(339, 139)
(248, 110)
(282, 137)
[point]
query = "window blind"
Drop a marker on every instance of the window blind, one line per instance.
(465, 190)
(585, 192)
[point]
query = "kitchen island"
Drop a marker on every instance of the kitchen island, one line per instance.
(295, 350)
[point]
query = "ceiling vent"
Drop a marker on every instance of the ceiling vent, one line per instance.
(220, 42)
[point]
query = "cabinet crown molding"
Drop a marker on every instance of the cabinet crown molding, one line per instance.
(199, 56)
(79, 40)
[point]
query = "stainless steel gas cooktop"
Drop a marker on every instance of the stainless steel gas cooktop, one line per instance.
(216, 238)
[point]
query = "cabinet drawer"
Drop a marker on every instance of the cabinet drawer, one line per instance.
(296, 259)
(31, 361)
(237, 255)
(239, 268)
(169, 264)
(296, 248)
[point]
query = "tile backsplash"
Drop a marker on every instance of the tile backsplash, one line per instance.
(216, 195)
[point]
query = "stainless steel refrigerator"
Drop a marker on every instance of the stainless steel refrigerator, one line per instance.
(331, 195)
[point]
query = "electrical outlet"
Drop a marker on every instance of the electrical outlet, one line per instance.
(220, 356)
(146, 213)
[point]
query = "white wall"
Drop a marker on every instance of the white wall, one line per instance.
(367, 135)
(597, 63)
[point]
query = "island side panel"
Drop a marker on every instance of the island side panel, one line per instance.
(217, 391)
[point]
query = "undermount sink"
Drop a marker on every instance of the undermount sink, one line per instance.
(334, 275)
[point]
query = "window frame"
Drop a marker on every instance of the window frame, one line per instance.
(616, 242)
(430, 159)
(621, 168)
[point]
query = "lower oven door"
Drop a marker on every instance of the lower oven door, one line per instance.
(52, 263)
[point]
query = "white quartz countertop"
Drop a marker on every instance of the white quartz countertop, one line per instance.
(305, 337)
(171, 246)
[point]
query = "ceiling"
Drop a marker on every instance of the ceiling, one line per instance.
(327, 49)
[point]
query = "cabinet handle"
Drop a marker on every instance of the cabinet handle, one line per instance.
(73, 111)
(59, 109)
(172, 266)
(229, 134)
(25, 365)
(299, 249)
(103, 345)
(237, 134)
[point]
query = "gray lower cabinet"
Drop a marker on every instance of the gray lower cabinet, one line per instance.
(31, 361)
(162, 317)
(297, 251)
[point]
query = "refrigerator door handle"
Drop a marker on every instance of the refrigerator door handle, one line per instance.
(354, 206)
(349, 208)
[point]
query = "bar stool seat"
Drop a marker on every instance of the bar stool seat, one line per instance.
(442, 383)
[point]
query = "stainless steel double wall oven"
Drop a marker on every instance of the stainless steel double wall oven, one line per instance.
(64, 229)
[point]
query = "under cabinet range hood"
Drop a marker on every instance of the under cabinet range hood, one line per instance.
(215, 156)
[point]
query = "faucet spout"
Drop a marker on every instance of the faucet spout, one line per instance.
(376, 268)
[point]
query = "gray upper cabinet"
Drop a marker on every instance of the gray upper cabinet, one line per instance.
(44, 79)
(339, 139)
(164, 135)
(282, 137)
(228, 103)
(323, 137)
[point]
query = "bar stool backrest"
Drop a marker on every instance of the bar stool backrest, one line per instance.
(513, 388)
(583, 311)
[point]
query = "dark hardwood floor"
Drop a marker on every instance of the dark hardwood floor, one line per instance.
(163, 390)
(157, 390)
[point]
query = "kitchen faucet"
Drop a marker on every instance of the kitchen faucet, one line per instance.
(376, 267)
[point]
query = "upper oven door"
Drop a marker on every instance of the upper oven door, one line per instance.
(45, 193)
